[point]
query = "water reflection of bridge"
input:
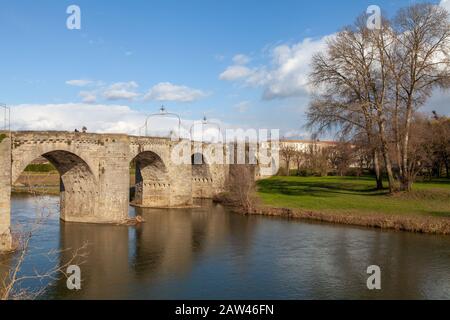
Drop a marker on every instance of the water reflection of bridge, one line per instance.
(166, 247)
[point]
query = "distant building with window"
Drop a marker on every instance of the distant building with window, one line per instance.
(306, 145)
(297, 145)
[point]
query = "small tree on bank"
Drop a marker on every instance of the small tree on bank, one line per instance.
(242, 187)
(287, 154)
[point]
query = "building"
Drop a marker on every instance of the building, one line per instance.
(306, 145)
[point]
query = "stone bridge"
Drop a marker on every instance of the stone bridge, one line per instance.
(95, 174)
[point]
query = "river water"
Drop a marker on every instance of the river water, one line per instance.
(211, 253)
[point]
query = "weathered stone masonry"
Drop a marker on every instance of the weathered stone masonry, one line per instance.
(5, 190)
(95, 171)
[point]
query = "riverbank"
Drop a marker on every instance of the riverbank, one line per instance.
(354, 201)
(432, 225)
(42, 183)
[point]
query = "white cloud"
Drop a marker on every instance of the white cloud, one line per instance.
(445, 4)
(289, 77)
(166, 91)
(69, 116)
(241, 59)
(88, 96)
(121, 91)
(242, 106)
(236, 72)
(98, 118)
(287, 73)
(79, 83)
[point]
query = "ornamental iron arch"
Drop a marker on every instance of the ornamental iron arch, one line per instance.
(205, 122)
(162, 113)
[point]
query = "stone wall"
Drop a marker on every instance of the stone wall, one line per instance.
(5, 191)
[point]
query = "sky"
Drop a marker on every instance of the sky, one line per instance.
(240, 63)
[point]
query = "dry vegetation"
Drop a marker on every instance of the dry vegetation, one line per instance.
(13, 277)
(241, 189)
(434, 225)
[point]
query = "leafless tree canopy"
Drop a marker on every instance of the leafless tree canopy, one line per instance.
(373, 83)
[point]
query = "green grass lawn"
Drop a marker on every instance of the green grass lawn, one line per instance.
(354, 195)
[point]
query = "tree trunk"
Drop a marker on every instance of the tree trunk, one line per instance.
(447, 169)
(405, 178)
(406, 183)
(388, 165)
(377, 169)
(446, 162)
(386, 157)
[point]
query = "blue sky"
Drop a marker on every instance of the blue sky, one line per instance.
(224, 59)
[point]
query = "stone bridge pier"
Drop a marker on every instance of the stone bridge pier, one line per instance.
(95, 175)
(160, 183)
(5, 191)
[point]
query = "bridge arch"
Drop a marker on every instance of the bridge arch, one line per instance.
(22, 157)
(78, 184)
(152, 183)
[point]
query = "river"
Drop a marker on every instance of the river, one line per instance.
(211, 253)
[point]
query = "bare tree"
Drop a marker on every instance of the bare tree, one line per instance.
(242, 187)
(299, 159)
(317, 159)
(423, 34)
(440, 139)
(14, 278)
(374, 81)
(287, 154)
(341, 157)
(352, 93)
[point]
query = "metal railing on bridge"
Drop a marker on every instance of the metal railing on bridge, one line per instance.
(205, 123)
(163, 113)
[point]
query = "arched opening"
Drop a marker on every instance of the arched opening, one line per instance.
(201, 176)
(151, 186)
(64, 173)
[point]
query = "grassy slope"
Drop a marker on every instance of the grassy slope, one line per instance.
(354, 195)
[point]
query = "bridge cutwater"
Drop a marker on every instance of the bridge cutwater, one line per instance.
(95, 174)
